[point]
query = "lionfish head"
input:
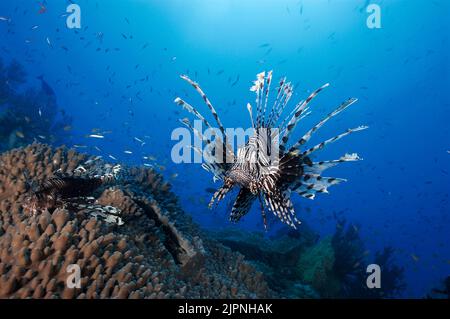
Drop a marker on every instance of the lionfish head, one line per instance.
(31, 204)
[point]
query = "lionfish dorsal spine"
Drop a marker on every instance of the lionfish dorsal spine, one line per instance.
(297, 116)
(266, 98)
(305, 138)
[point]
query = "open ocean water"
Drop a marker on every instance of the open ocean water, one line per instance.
(117, 75)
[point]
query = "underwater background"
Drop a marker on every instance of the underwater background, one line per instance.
(117, 77)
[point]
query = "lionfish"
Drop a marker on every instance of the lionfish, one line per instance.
(73, 191)
(252, 169)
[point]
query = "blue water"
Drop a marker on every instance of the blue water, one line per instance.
(120, 73)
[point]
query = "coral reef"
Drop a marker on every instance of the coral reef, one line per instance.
(297, 265)
(157, 253)
(442, 292)
(316, 268)
(276, 256)
(351, 261)
(28, 113)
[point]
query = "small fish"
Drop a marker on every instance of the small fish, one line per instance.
(34, 27)
(42, 9)
(5, 19)
(128, 152)
(139, 140)
(414, 257)
(48, 42)
(20, 134)
(96, 136)
(174, 175)
(264, 45)
(79, 146)
(41, 137)
(148, 165)
(67, 128)
(98, 149)
(112, 157)
(236, 81)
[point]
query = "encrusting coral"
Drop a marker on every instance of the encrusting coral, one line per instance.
(157, 253)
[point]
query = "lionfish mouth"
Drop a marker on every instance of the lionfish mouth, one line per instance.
(271, 183)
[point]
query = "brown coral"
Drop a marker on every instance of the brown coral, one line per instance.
(158, 253)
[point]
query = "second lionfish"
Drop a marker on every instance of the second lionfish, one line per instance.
(253, 169)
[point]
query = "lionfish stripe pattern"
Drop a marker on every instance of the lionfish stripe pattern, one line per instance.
(259, 177)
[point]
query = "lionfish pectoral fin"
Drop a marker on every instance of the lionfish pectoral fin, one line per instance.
(311, 184)
(242, 205)
(225, 147)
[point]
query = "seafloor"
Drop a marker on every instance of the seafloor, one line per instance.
(159, 252)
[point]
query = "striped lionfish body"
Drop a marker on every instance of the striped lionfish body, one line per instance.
(265, 169)
(68, 190)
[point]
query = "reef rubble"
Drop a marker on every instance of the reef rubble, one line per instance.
(157, 253)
